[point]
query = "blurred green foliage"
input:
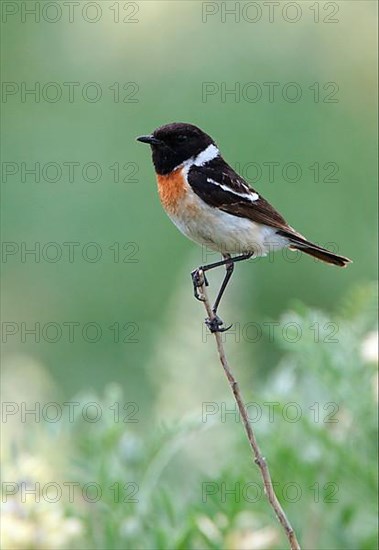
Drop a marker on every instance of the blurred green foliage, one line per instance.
(167, 366)
(320, 442)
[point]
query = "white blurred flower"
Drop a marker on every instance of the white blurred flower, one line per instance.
(208, 527)
(30, 520)
(34, 524)
(259, 539)
(369, 349)
(130, 527)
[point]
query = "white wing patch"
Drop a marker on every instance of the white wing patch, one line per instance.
(250, 195)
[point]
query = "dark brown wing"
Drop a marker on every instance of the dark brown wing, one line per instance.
(217, 184)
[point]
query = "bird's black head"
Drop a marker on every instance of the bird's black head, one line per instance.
(173, 144)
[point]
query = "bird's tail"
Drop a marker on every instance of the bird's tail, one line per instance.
(299, 243)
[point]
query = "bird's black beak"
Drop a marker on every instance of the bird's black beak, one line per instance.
(151, 140)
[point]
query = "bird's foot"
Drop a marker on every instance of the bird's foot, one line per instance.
(198, 280)
(215, 324)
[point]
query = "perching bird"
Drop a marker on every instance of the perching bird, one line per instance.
(214, 206)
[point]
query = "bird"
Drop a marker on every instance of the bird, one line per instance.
(214, 206)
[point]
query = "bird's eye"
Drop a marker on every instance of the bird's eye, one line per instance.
(182, 138)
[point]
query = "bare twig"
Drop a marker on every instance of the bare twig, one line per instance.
(259, 459)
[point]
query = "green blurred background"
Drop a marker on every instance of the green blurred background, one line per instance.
(159, 62)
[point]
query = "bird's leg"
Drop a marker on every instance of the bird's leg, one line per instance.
(215, 324)
(228, 275)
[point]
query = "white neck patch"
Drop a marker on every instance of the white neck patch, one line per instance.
(210, 153)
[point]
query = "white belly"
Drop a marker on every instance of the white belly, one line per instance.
(224, 232)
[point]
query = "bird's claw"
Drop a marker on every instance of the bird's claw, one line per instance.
(198, 279)
(215, 324)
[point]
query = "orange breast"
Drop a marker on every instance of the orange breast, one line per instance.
(172, 190)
